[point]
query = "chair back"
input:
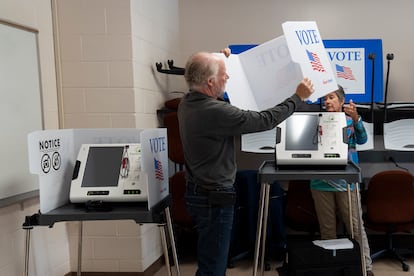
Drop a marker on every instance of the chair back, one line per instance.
(175, 147)
(300, 208)
(390, 197)
(178, 209)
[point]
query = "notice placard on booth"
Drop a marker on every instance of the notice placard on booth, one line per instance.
(53, 154)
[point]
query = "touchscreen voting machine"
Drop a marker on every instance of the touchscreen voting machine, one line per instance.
(312, 138)
(109, 172)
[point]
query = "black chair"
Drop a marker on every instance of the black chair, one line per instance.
(184, 227)
(300, 208)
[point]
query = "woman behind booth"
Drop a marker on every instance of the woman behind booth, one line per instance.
(331, 195)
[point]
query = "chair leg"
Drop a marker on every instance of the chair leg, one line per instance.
(405, 266)
(391, 251)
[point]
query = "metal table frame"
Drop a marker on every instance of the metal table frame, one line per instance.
(269, 172)
(160, 214)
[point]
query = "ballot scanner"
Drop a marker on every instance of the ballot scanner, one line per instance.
(109, 172)
(312, 139)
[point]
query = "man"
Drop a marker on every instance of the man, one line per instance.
(208, 126)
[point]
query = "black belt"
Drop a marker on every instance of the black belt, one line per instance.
(203, 190)
(219, 196)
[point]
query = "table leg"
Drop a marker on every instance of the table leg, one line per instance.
(264, 227)
(80, 239)
(360, 225)
(350, 211)
(27, 252)
(165, 248)
(259, 228)
(172, 239)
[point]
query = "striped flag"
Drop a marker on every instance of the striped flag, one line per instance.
(344, 72)
(158, 169)
(315, 62)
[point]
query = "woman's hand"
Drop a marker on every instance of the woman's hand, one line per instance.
(351, 110)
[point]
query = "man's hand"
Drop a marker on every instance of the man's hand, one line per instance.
(304, 89)
(226, 52)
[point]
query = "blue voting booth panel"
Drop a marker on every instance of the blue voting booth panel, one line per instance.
(367, 52)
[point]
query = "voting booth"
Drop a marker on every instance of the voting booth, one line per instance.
(312, 139)
(66, 157)
(128, 168)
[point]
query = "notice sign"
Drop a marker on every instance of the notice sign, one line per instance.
(307, 49)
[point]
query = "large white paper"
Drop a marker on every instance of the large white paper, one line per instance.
(262, 142)
(369, 144)
(263, 76)
(399, 135)
(267, 74)
(238, 86)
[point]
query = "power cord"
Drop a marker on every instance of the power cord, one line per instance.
(396, 164)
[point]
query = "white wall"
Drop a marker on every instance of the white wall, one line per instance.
(45, 259)
(107, 55)
(121, 246)
(108, 51)
(37, 15)
(203, 25)
(212, 25)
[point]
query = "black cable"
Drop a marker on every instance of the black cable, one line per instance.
(396, 164)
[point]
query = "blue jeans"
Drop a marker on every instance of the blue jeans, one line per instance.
(214, 225)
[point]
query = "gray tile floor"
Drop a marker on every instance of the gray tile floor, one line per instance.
(382, 267)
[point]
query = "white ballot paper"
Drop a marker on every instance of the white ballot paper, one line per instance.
(267, 74)
(334, 244)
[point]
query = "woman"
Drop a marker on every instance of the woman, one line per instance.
(331, 195)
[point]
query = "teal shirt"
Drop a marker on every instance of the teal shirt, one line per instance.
(356, 135)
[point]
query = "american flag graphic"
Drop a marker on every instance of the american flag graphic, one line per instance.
(344, 72)
(158, 170)
(315, 62)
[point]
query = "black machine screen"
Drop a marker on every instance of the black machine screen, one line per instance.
(302, 132)
(102, 167)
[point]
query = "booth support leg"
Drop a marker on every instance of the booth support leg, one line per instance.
(80, 237)
(261, 228)
(360, 225)
(27, 251)
(165, 248)
(350, 211)
(172, 239)
(264, 227)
